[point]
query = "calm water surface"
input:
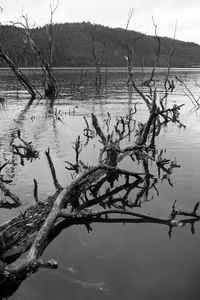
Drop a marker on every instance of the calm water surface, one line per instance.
(114, 261)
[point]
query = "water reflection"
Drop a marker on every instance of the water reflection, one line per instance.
(158, 189)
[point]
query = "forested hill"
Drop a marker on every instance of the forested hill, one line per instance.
(73, 46)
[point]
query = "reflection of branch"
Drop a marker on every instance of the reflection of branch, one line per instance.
(161, 164)
(108, 195)
(78, 148)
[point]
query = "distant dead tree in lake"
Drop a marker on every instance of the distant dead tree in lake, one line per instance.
(98, 61)
(22, 78)
(50, 86)
(129, 46)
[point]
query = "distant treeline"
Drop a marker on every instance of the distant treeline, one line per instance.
(73, 47)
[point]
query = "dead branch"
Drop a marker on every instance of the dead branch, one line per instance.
(98, 129)
(151, 82)
(53, 172)
(188, 93)
(35, 191)
(78, 148)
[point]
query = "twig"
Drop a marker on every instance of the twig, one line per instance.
(35, 191)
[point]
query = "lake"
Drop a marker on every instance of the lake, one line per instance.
(114, 261)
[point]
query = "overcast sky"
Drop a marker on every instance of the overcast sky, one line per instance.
(114, 13)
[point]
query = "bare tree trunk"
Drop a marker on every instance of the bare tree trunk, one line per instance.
(20, 76)
(98, 62)
(50, 87)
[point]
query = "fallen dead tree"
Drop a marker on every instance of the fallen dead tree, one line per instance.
(97, 193)
(18, 73)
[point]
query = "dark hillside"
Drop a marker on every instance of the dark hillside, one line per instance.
(73, 43)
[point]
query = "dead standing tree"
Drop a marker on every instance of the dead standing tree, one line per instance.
(50, 86)
(98, 61)
(129, 46)
(50, 82)
(17, 72)
(150, 81)
(129, 51)
(156, 100)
